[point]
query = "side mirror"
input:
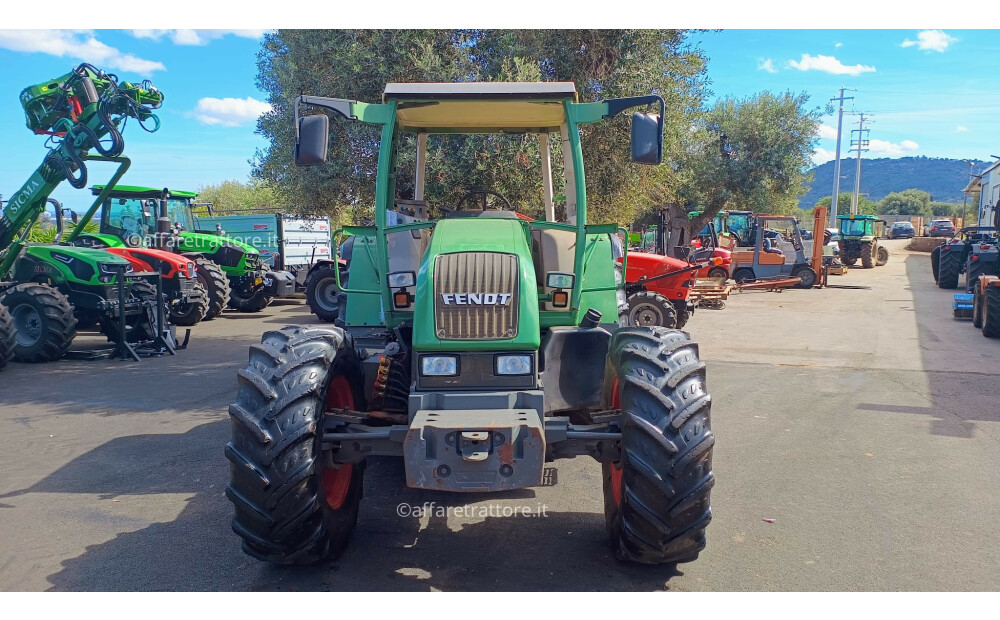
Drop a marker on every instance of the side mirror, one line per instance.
(311, 142)
(647, 139)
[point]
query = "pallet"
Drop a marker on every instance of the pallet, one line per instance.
(710, 293)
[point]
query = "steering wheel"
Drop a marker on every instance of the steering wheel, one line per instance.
(484, 193)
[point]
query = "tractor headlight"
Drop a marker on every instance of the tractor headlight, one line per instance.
(439, 365)
(401, 279)
(555, 279)
(513, 365)
(191, 271)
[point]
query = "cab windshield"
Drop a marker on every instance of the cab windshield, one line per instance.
(853, 228)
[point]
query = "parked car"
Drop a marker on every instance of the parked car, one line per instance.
(901, 230)
(939, 228)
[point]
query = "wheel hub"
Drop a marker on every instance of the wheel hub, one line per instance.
(27, 325)
(646, 315)
(326, 294)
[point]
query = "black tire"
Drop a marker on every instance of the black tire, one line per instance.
(972, 271)
(254, 303)
(656, 499)
(216, 286)
(649, 309)
(850, 262)
(744, 274)
(282, 511)
(808, 276)
(881, 256)
(6, 336)
(322, 294)
(991, 312)
(190, 313)
(935, 256)
(137, 326)
(867, 254)
(949, 266)
(718, 272)
(44, 325)
(977, 306)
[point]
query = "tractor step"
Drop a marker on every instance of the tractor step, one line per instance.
(962, 306)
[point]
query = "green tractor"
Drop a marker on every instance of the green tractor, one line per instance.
(50, 290)
(230, 270)
(476, 347)
(859, 240)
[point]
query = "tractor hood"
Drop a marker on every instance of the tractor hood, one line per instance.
(476, 288)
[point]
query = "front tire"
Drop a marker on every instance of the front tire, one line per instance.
(44, 325)
(977, 306)
(254, 303)
(6, 336)
(649, 309)
(807, 275)
(881, 256)
(744, 274)
(935, 257)
(656, 498)
(192, 312)
(289, 507)
(718, 272)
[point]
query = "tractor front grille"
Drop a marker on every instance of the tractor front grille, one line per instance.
(475, 296)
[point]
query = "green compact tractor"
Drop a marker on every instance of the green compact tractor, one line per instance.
(859, 240)
(476, 347)
(51, 289)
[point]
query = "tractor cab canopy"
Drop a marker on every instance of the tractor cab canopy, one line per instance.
(858, 225)
(133, 208)
(477, 107)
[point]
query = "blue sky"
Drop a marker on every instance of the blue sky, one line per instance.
(927, 92)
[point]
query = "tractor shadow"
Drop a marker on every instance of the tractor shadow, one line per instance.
(961, 366)
(197, 551)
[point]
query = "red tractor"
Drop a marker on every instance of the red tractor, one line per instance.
(657, 289)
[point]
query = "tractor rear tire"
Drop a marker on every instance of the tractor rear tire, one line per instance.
(808, 276)
(322, 294)
(977, 306)
(935, 257)
(972, 271)
(649, 309)
(867, 254)
(850, 262)
(656, 499)
(216, 285)
(744, 274)
(881, 256)
(991, 312)
(44, 325)
(949, 264)
(6, 336)
(190, 313)
(289, 507)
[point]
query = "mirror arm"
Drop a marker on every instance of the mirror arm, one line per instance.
(616, 106)
(340, 106)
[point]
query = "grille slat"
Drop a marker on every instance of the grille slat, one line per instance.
(478, 273)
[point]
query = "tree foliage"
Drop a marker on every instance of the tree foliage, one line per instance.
(865, 206)
(236, 197)
(750, 154)
(907, 202)
(357, 64)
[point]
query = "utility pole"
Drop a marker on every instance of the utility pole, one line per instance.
(835, 199)
(861, 141)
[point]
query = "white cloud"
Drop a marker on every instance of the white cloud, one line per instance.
(961, 128)
(766, 65)
(229, 111)
(828, 64)
(836, 45)
(883, 148)
(79, 44)
(931, 41)
(821, 156)
(826, 132)
(187, 36)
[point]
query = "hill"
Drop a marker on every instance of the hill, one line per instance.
(942, 178)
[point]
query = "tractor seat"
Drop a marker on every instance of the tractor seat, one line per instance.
(494, 213)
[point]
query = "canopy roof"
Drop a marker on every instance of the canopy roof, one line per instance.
(480, 106)
(137, 191)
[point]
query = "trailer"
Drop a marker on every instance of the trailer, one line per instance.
(286, 242)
